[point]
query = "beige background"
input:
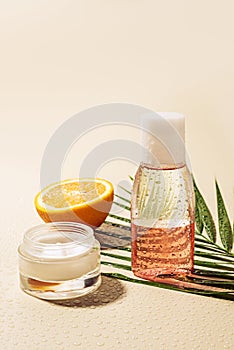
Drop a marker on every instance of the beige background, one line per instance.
(60, 57)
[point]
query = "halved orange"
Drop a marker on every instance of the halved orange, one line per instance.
(83, 200)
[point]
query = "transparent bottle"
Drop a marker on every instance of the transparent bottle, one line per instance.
(162, 208)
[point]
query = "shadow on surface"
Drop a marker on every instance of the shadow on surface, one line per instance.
(109, 291)
(113, 235)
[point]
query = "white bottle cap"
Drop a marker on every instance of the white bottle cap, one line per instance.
(163, 139)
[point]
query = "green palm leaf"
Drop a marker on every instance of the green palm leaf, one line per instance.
(205, 214)
(225, 229)
(198, 220)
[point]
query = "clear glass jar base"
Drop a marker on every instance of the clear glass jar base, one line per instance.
(60, 290)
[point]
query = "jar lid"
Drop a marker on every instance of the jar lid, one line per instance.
(57, 240)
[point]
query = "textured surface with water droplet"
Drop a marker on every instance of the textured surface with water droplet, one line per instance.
(119, 315)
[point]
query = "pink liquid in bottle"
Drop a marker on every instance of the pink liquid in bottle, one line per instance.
(162, 217)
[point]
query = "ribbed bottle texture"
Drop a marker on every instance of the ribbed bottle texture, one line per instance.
(162, 217)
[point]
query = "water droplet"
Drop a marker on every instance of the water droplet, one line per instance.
(58, 342)
(97, 334)
(100, 344)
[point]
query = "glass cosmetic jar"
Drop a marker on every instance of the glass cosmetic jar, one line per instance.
(59, 261)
